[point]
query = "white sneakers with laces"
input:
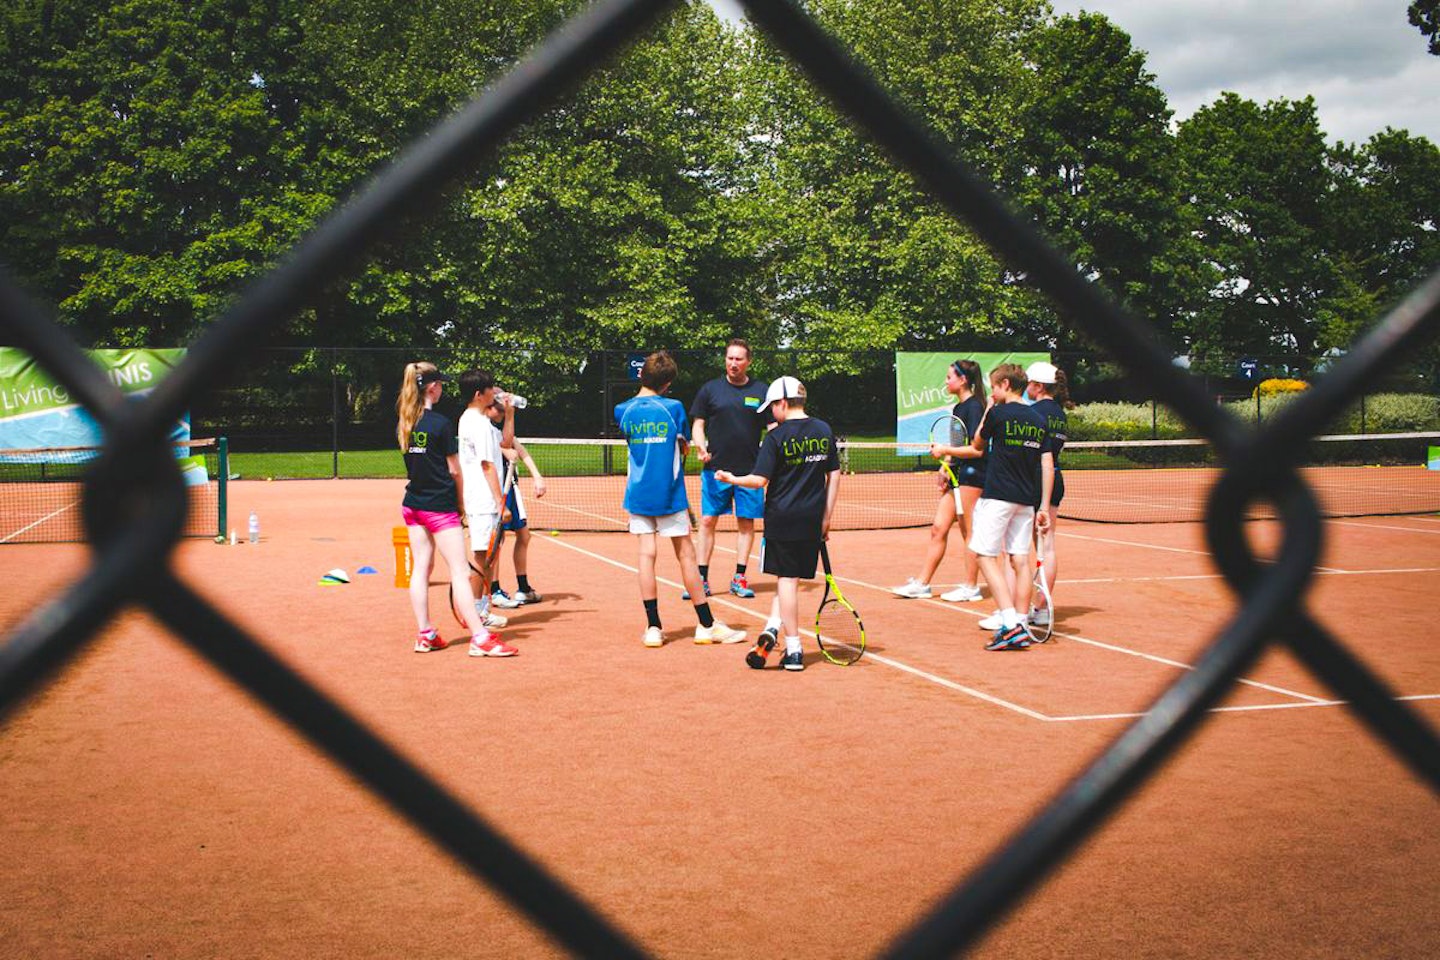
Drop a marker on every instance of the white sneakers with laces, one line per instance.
(962, 594)
(912, 589)
(718, 633)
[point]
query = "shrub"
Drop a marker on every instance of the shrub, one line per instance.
(1280, 385)
(1123, 421)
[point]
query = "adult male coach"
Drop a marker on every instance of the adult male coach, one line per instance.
(726, 436)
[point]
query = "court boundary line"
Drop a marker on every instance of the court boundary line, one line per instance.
(1307, 700)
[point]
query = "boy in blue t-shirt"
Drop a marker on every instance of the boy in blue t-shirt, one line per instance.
(655, 428)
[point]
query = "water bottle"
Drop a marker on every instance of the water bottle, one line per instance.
(515, 400)
(254, 527)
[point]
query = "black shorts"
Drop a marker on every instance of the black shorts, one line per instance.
(790, 558)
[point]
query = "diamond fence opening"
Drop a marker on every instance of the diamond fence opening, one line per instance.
(135, 499)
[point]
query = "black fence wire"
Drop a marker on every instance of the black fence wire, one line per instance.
(135, 499)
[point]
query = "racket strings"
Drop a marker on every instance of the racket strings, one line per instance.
(836, 624)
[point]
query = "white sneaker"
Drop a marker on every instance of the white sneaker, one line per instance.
(492, 620)
(912, 590)
(990, 623)
(717, 632)
(503, 600)
(962, 594)
(653, 637)
(1040, 617)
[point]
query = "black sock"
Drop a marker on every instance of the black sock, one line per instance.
(652, 612)
(707, 619)
(522, 583)
(705, 572)
(494, 586)
(739, 569)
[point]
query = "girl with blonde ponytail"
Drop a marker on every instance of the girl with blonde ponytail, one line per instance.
(431, 508)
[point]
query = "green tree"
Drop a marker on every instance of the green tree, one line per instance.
(1425, 15)
(1259, 180)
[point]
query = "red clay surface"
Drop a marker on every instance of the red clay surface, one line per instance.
(151, 809)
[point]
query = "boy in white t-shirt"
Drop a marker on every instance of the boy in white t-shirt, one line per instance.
(480, 453)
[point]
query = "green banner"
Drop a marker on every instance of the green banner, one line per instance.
(920, 394)
(35, 411)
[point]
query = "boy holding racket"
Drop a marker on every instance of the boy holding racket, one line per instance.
(655, 428)
(480, 469)
(799, 468)
(518, 522)
(1013, 435)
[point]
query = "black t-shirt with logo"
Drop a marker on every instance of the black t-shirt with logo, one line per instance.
(1056, 427)
(1014, 435)
(432, 441)
(796, 457)
(732, 426)
(971, 472)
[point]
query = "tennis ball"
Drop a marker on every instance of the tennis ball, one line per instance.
(554, 533)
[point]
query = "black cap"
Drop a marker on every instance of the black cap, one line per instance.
(432, 376)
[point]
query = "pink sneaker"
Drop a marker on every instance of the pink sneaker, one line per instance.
(430, 641)
(491, 646)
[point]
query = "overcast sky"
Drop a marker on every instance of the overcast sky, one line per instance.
(1361, 60)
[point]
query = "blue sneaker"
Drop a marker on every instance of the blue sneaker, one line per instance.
(705, 583)
(741, 587)
(1015, 638)
(793, 661)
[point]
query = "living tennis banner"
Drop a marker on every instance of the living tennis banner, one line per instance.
(920, 394)
(35, 411)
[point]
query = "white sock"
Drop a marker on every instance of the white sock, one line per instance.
(792, 645)
(773, 624)
(1009, 618)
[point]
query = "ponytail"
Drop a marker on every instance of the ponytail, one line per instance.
(410, 404)
(1060, 390)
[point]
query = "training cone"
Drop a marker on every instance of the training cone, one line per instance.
(367, 569)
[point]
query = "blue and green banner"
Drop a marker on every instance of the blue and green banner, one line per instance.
(36, 412)
(920, 394)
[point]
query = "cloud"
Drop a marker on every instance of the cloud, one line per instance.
(1366, 67)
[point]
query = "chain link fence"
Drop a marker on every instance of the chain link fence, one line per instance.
(135, 499)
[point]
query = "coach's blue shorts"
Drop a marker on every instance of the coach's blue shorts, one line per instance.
(716, 498)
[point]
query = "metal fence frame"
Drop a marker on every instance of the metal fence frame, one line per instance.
(135, 500)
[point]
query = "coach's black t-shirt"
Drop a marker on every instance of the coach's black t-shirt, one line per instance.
(1056, 425)
(796, 456)
(1014, 434)
(431, 487)
(970, 473)
(732, 427)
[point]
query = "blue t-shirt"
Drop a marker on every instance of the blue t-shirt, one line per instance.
(655, 472)
(1014, 435)
(796, 457)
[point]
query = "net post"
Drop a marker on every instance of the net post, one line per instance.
(223, 490)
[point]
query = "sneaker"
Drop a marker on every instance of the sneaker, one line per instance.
(492, 620)
(523, 597)
(741, 587)
(717, 632)
(653, 637)
(762, 649)
(990, 623)
(430, 641)
(491, 646)
(1040, 618)
(912, 589)
(962, 594)
(503, 600)
(704, 583)
(1015, 638)
(793, 661)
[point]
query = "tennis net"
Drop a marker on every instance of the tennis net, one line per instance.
(888, 485)
(41, 491)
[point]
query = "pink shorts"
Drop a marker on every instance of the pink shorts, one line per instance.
(431, 520)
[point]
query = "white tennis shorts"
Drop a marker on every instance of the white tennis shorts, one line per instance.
(482, 528)
(1001, 527)
(674, 525)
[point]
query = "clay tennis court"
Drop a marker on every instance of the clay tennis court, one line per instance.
(710, 810)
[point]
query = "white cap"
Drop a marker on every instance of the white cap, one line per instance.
(1041, 372)
(786, 388)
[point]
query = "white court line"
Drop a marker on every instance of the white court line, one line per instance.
(1154, 546)
(1308, 701)
(1379, 526)
(941, 681)
(44, 519)
(1326, 571)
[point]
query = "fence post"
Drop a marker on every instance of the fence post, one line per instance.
(1362, 413)
(1154, 419)
(334, 416)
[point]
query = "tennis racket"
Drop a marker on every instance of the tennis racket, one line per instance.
(487, 575)
(838, 628)
(1042, 620)
(950, 431)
